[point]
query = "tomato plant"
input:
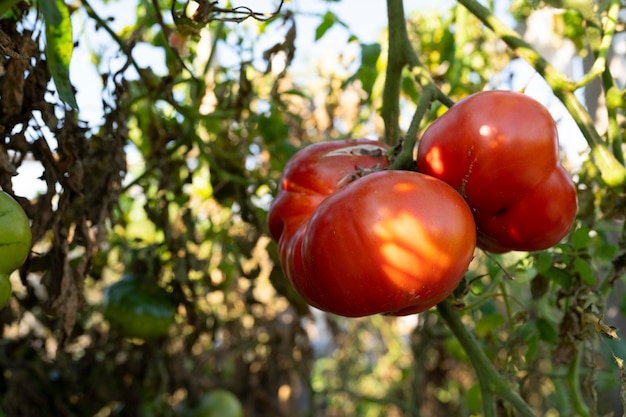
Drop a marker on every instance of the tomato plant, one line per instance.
(499, 150)
(15, 241)
(394, 242)
(138, 309)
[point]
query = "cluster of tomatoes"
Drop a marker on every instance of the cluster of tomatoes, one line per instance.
(356, 238)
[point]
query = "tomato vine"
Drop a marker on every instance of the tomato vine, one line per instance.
(610, 163)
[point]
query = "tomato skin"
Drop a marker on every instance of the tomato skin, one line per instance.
(314, 173)
(525, 226)
(5, 289)
(392, 242)
(499, 150)
(311, 175)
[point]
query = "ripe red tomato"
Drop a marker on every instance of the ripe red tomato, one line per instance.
(393, 242)
(316, 172)
(499, 150)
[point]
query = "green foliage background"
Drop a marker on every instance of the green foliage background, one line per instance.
(182, 167)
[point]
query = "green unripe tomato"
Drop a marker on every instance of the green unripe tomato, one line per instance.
(218, 403)
(15, 241)
(15, 234)
(137, 309)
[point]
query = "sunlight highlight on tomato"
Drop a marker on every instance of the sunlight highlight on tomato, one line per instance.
(391, 242)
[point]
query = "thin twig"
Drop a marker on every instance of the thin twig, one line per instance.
(207, 12)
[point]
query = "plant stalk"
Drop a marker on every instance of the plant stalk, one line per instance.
(393, 76)
(492, 383)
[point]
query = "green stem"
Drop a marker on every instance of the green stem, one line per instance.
(521, 48)
(507, 306)
(573, 382)
(612, 171)
(421, 74)
(404, 160)
(614, 133)
(599, 68)
(491, 382)
(604, 45)
(393, 76)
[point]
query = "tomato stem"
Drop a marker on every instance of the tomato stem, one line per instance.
(605, 40)
(492, 383)
(401, 54)
(405, 160)
(573, 381)
(390, 111)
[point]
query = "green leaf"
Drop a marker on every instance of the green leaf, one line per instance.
(487, 324)
(367, 73)
(560, 276)
(547, 330)
(473, 398)
(574, 26)
(6, 5)
(586, 272)
(272, 127)
(604, 250)
(531, 352)
(408, 85)
(328, 21)
(543, 262)
(370, 53)
(59, 47)
(580, 237)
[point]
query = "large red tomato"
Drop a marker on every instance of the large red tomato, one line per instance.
(499, 150)
(393, 242)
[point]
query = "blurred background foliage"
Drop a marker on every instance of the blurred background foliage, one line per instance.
(173, 183)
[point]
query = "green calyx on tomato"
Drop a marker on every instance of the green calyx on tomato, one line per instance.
(137, 307)
(499, 150)
(391, 242)
(15, 241)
